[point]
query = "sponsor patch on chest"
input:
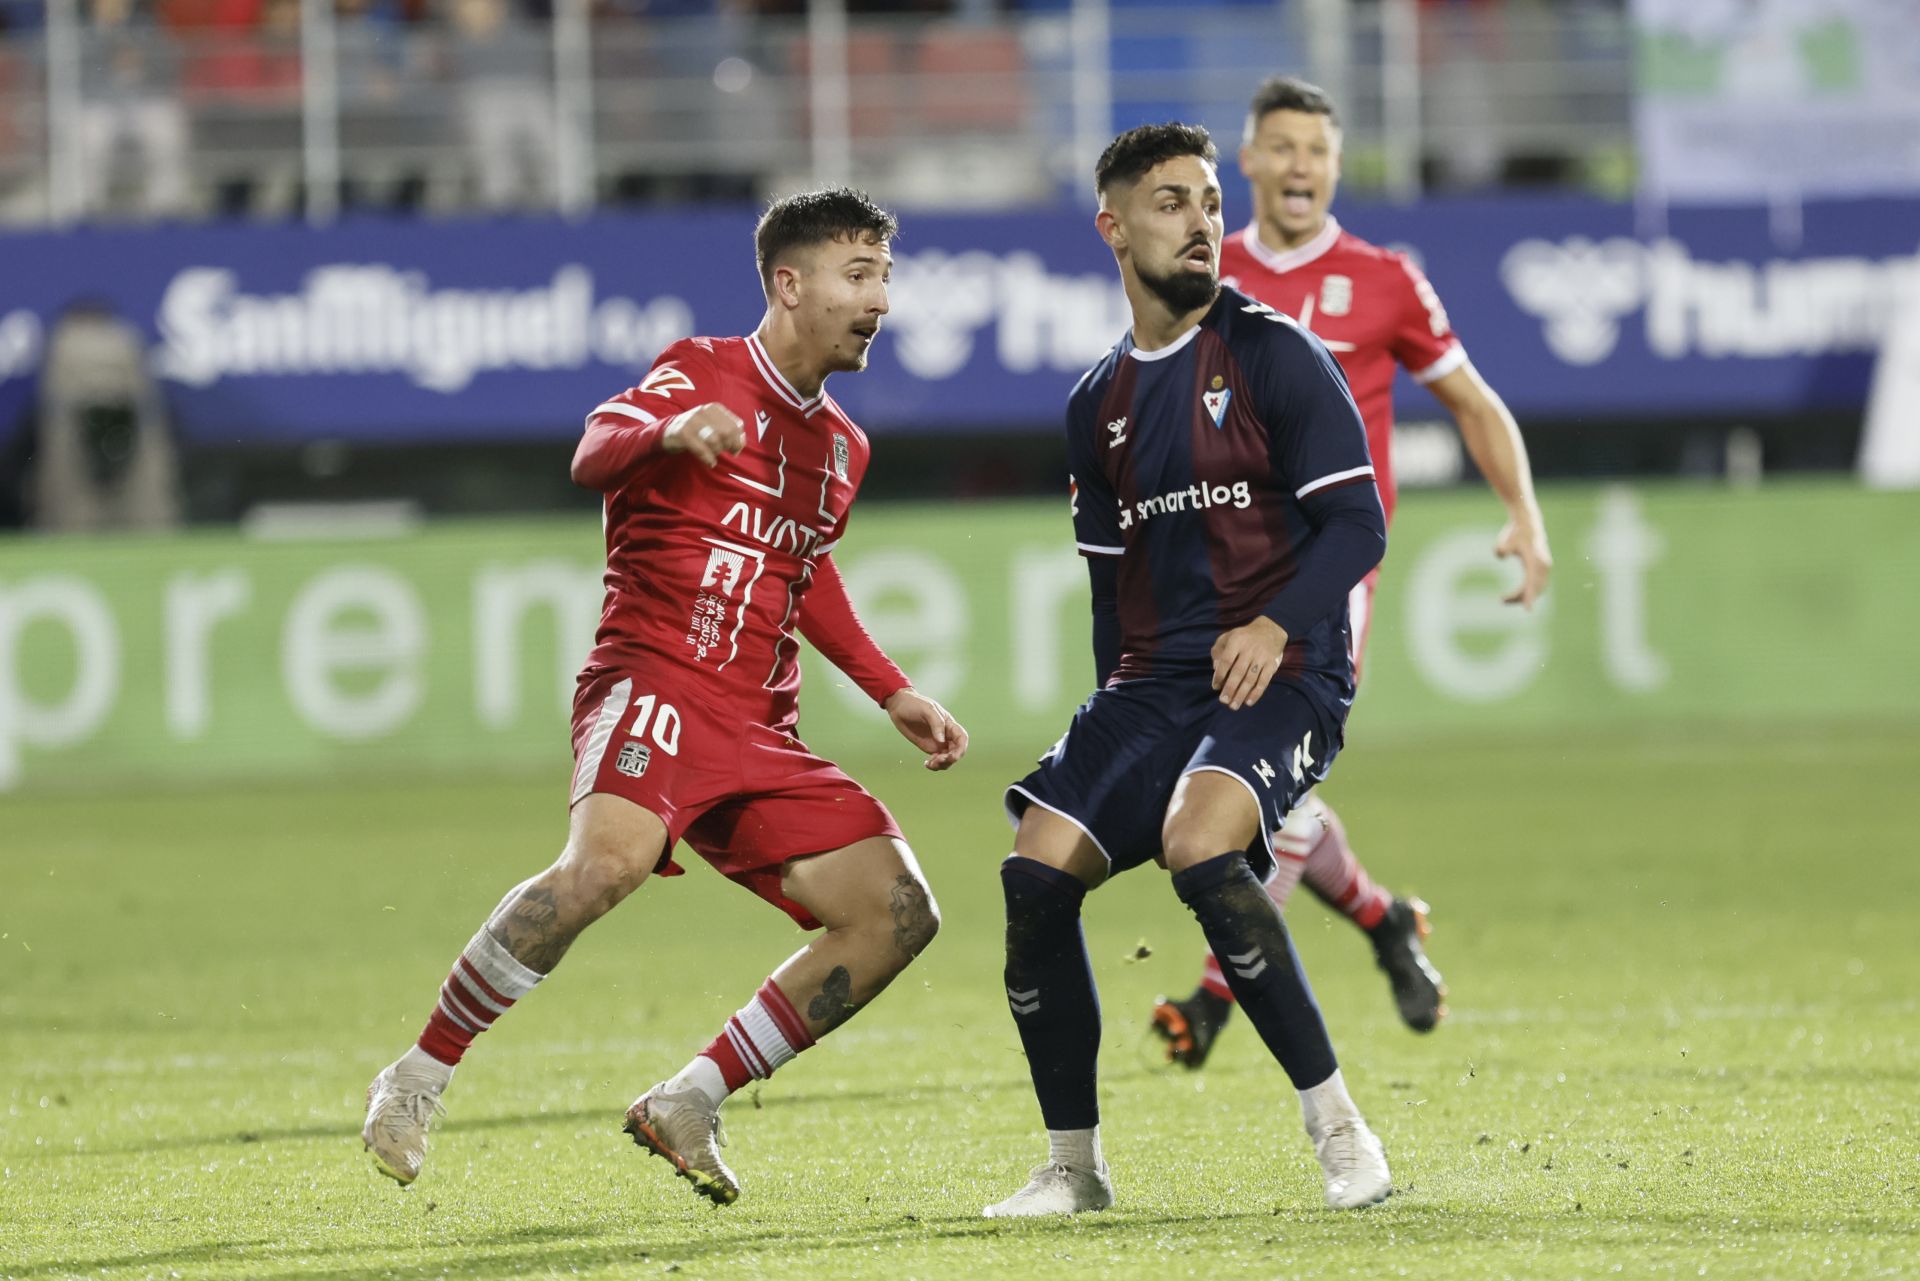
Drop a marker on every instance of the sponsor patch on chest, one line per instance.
(1336, 295)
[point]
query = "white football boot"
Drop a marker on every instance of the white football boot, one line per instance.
(684, 1129)
(1057, 1188)
(1354, 1164)
(401, 1103)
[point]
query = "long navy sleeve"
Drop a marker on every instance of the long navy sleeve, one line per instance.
(1105, 573)
(1350, 537)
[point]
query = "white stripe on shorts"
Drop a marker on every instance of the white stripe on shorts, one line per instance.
(587, 769)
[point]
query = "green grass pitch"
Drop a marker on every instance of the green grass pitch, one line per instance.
(1685, 1039)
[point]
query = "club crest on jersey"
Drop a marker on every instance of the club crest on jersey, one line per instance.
(665, 380)
(1336, 295)
(842, 454)
(1216, 403)
(633, 759)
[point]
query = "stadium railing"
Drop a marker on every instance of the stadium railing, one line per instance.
(484, 108)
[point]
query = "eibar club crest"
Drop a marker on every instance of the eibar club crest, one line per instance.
(1216, 403)
(841, 455)
(633, 759)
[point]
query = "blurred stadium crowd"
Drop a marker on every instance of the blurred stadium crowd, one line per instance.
(172, 108)
(1593, 186)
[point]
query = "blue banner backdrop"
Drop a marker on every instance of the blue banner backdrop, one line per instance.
(423, 330)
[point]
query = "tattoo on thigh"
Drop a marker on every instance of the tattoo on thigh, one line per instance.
(527, 924)
(914, 922)
(834, 1005)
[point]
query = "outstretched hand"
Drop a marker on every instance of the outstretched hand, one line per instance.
(1528, 541)
(928, 726)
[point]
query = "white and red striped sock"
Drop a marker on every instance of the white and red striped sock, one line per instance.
(483, 985)
(766, 1033)
(1214, 979)
(1335, 875)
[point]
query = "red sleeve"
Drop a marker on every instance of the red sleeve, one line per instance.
(1423, 342)
(827, 621)
(623, 434)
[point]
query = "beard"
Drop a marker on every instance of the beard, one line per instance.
(1183, 291)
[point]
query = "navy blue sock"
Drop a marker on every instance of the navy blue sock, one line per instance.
(1050, 990)
(1244, 929)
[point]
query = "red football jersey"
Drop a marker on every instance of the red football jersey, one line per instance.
(706, 566)
(1371, 306)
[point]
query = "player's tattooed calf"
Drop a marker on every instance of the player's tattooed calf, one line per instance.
(914, 920)
(527, 924)
(834, 1005)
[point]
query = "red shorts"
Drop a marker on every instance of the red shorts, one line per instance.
(748, 798)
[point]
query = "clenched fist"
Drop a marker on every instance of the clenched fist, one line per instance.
(706, 432)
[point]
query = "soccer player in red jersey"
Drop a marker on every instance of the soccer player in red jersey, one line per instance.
(728, 475)
(1376, 311)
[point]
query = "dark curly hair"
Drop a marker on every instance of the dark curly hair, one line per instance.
(814, 218)
(1129, 157)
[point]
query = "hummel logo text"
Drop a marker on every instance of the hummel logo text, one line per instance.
(1302, 759)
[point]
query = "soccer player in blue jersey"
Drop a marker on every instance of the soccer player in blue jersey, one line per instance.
(1225, 501)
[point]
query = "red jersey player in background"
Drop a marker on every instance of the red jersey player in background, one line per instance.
(728, 474)
(1375, 311)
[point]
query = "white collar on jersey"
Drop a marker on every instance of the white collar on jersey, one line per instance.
(1160, 353)
(1299, 256)
(772, 376)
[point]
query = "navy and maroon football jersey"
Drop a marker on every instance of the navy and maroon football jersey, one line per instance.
(1198, 466)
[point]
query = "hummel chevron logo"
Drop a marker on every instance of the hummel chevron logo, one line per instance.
(1278, 318)
(1244, 965)
(1302, 759)
(1024, 1002)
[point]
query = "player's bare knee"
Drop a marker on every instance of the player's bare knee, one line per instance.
(600, 871)
(1045, 837)
(1186, 844)
(913, 916)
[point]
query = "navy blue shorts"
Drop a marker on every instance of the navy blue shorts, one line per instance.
(1113, 772)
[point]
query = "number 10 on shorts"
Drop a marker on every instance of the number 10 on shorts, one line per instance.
(665, 722)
